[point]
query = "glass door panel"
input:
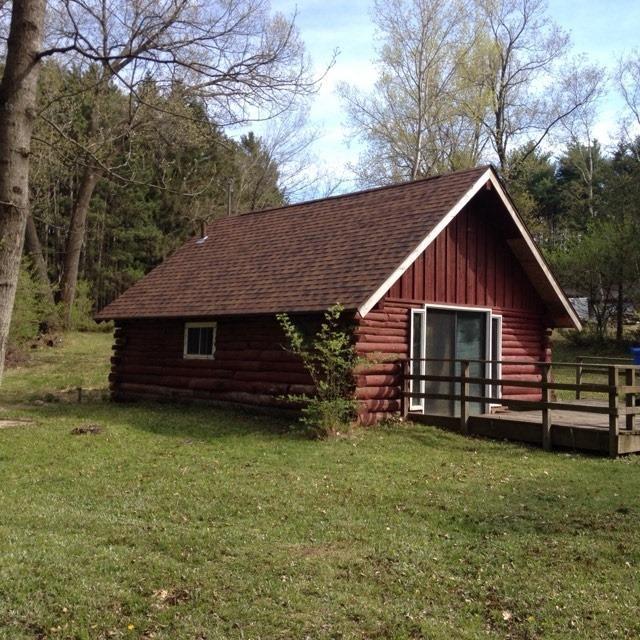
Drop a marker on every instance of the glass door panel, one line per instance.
(471, 328)
(496, 355)
(440, 344)
(416, 355)
(454, 335)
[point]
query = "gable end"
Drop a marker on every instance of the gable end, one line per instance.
(523, 247)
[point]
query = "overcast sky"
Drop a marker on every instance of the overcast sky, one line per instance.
(601, 29)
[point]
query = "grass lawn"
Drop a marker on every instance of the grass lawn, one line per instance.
(193, 522)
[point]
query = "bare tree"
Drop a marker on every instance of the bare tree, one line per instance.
(579, 126)
(526, 75)
(17, 106)
(412, 122)
(284, 152)
(244, 62)
(628, 81)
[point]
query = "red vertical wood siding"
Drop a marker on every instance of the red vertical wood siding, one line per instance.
(468, 263)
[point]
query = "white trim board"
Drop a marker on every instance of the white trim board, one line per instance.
(488, 176)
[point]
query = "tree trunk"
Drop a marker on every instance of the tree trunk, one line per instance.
(75, 240)
(17, 110)
(620, 312)
(33, 249)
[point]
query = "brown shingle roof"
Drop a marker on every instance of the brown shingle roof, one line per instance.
(302, 257)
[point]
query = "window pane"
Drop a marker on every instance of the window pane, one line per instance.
(471, 345)
(416, 350)
(206, 341)
(417, 365)
(441, 329)
(193, 340)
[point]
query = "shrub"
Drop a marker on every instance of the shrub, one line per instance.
(32, 308)
(82, 310)
(330, 358)
(587, 337)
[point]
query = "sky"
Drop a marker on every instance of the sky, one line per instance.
(602, 30)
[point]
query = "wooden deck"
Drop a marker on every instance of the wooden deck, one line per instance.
(575, 430)
(607, 425)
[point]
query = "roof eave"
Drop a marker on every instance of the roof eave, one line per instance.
(370, 302)
(118, 317)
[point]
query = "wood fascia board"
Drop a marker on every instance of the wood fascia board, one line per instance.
(535, 252)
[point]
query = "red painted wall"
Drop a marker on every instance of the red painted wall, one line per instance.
(469, 263)
(250, 365)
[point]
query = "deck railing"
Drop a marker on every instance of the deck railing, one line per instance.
(594, 365)
(616, 386)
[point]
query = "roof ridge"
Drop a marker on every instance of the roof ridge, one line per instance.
(480, 168)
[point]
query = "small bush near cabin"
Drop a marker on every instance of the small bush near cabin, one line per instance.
(330, 358)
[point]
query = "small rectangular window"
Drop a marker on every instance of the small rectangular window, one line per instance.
(199, 340)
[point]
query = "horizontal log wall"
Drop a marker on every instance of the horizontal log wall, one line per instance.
(382, 340)
(524, 337)
(250, 365)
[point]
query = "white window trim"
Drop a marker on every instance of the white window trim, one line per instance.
(424, 310)
(417, 404)
(199, 325)
(498, 317)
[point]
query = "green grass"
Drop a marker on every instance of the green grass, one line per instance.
(81, 361)
(193, 522)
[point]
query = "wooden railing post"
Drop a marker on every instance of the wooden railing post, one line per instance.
(406, 400)
(464, 392)
(579, 360)
(630, 398)
(546, 414)
(613, 411)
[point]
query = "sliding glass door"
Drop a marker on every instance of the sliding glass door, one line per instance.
(443, 336)
(471, 344)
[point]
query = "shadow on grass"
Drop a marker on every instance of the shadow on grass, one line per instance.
(177, 420)
(499, 447)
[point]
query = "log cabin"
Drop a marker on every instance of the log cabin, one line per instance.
(440, 268)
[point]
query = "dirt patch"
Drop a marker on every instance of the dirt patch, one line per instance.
(87, 430)
(10, 424)
(15, 357)
(319, 550)
(18, 355)
(73, 396)
(170, 597)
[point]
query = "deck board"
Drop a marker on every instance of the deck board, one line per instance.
(577, 430)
